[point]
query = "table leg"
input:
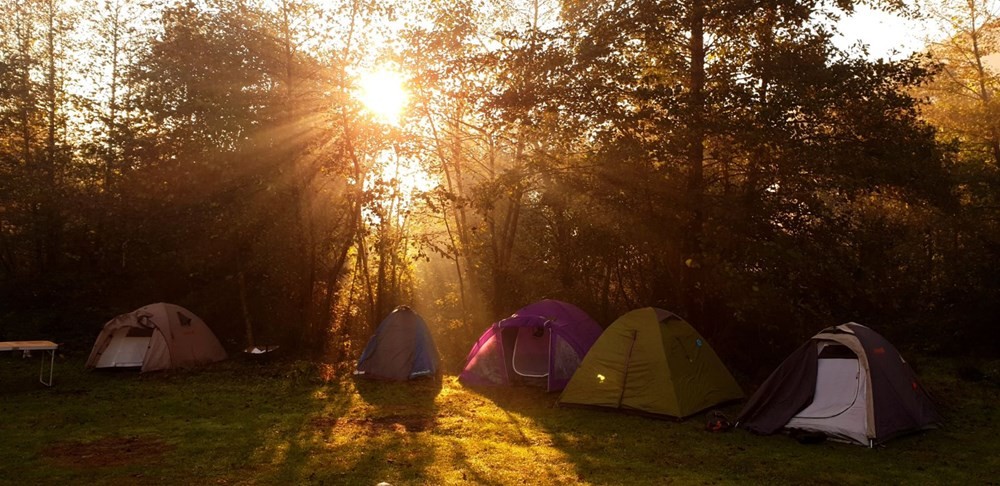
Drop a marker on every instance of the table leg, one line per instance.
(52, 364)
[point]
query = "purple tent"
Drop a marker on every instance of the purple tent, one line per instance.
(541, 343)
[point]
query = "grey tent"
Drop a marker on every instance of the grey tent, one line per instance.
(155, 337)
(848, 383)
(401, 348)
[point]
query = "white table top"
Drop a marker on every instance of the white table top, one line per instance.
(27, 345)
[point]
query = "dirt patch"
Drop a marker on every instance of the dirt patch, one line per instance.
(377, 425)
(107, 451)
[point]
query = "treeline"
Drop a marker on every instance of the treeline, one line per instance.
(720, 159)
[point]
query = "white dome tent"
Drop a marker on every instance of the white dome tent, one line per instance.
(156, 337)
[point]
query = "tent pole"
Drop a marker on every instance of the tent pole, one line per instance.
(628, 361)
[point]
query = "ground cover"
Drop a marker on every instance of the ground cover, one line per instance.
(244, 422)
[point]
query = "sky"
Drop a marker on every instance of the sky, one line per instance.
(887, 35)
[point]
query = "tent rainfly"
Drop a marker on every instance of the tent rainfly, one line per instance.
(847, 383)
(650, 361)
(540, 344)
(155, 337)
(401, 348)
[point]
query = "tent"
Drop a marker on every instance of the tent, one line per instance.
(540, 344)
(651, 361)
(401, 348)
(847, 383)
(155, 337)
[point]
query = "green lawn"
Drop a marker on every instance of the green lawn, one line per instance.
(255, 423)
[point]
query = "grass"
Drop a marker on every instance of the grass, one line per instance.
(254, 423)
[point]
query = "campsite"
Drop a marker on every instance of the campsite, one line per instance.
(247, 423)
(372, 242)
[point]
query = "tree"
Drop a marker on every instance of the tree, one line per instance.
(454, 70)
(729, 140)
(964, 93)
(963, 105)
(240, 156)
(107, 125)
(36, 152)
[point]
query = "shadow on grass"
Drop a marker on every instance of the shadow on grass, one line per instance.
(606, 447)
(383, 436)
(225, 423)
(280, 423)
(420, 392)
(503, 435)
(495, 436)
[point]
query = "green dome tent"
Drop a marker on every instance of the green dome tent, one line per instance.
(651, 361)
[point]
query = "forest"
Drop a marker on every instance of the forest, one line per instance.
(292, 170)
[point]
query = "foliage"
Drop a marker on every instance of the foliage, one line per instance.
(720, 159)
(963, 105)
(735, 176)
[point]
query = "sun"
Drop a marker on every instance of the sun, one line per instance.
(383, 94)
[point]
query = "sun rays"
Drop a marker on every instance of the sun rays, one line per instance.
(382, 92)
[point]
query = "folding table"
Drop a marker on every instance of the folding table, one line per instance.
(35, 346)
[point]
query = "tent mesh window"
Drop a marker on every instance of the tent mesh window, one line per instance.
(139, 332)
(565, 361)
(836, 351)
(489, 363)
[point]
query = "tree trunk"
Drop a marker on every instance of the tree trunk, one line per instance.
(51, 230)
(692, 239)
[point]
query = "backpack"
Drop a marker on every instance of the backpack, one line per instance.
(717, 422)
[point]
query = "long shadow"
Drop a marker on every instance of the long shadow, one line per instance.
(609, 447)
(226, 423)
(440, 454)
(420, 392)
(384, 436)
(505, 422)
(301, 403)
(525, 400)
(605, 446)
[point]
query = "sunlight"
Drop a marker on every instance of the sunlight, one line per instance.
(382, 92)
(404, 173)
(398, 180)
(413, 178)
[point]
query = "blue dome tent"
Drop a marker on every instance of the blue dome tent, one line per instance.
(401, 349)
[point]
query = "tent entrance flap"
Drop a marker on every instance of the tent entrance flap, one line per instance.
(837, 388)
(838, 408)
(530, 357)
(124, 351)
